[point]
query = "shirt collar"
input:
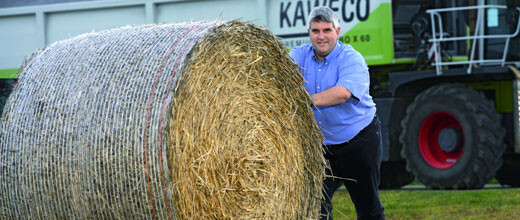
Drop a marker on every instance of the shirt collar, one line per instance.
(332, 53)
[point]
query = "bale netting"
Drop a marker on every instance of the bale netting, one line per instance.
(200, 120)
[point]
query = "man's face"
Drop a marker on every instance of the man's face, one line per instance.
(323, 37)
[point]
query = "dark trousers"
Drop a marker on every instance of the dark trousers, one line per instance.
(358, 159)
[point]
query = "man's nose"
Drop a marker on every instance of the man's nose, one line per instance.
(321, 35)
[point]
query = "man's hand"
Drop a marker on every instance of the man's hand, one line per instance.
(332, 96)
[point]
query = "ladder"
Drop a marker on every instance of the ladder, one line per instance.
(438, 37)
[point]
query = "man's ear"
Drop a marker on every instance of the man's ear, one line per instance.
(339, 29)
(309, 31)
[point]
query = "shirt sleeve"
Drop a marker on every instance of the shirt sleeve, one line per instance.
(353, 74)
(296, 55)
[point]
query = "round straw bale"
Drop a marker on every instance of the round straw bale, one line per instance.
(200, 120)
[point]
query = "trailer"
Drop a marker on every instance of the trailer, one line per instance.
(444, 74)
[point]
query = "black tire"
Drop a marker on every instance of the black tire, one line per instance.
(6, 87)
(394, 175)
(452, 138)
(508, 174)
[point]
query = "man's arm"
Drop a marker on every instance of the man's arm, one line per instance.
(332, 96)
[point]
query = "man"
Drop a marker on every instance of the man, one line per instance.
(337, 78)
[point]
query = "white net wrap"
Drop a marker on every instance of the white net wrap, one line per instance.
(83, 131)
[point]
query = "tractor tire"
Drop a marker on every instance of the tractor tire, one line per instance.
(452, 138)
(508, 173)
(394, 175)
(6, 87)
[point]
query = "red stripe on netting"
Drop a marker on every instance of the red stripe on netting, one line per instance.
(147, 126)
(163, 111)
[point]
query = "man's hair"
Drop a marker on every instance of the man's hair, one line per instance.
(323, 13)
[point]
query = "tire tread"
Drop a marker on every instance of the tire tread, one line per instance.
(491, 134)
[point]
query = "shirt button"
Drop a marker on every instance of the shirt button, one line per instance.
(325, 63)
(319, 70)
(318, 87)
(319, 122)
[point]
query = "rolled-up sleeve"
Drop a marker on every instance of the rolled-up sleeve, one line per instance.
(353, 75)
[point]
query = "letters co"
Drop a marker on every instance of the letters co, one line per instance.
(294, 13)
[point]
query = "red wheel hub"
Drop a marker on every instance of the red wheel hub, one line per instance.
(441, 140)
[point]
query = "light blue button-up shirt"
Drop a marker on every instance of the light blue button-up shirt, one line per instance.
(344, 67)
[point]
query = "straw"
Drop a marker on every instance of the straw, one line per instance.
(258, 153)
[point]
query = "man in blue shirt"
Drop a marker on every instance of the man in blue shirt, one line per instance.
(337, 78)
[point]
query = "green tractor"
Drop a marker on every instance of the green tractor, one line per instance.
(449, 99)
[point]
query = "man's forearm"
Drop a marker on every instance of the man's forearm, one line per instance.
(332, 96)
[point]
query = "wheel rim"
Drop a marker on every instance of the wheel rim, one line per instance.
(441, 140)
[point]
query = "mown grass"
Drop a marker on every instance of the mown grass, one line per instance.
(503, 203)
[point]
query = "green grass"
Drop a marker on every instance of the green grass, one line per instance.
(439, 204)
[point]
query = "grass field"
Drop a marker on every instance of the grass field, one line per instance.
(500, 203)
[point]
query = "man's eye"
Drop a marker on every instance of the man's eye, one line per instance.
(315, 31)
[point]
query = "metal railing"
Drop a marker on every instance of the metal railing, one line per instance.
(479, 34)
